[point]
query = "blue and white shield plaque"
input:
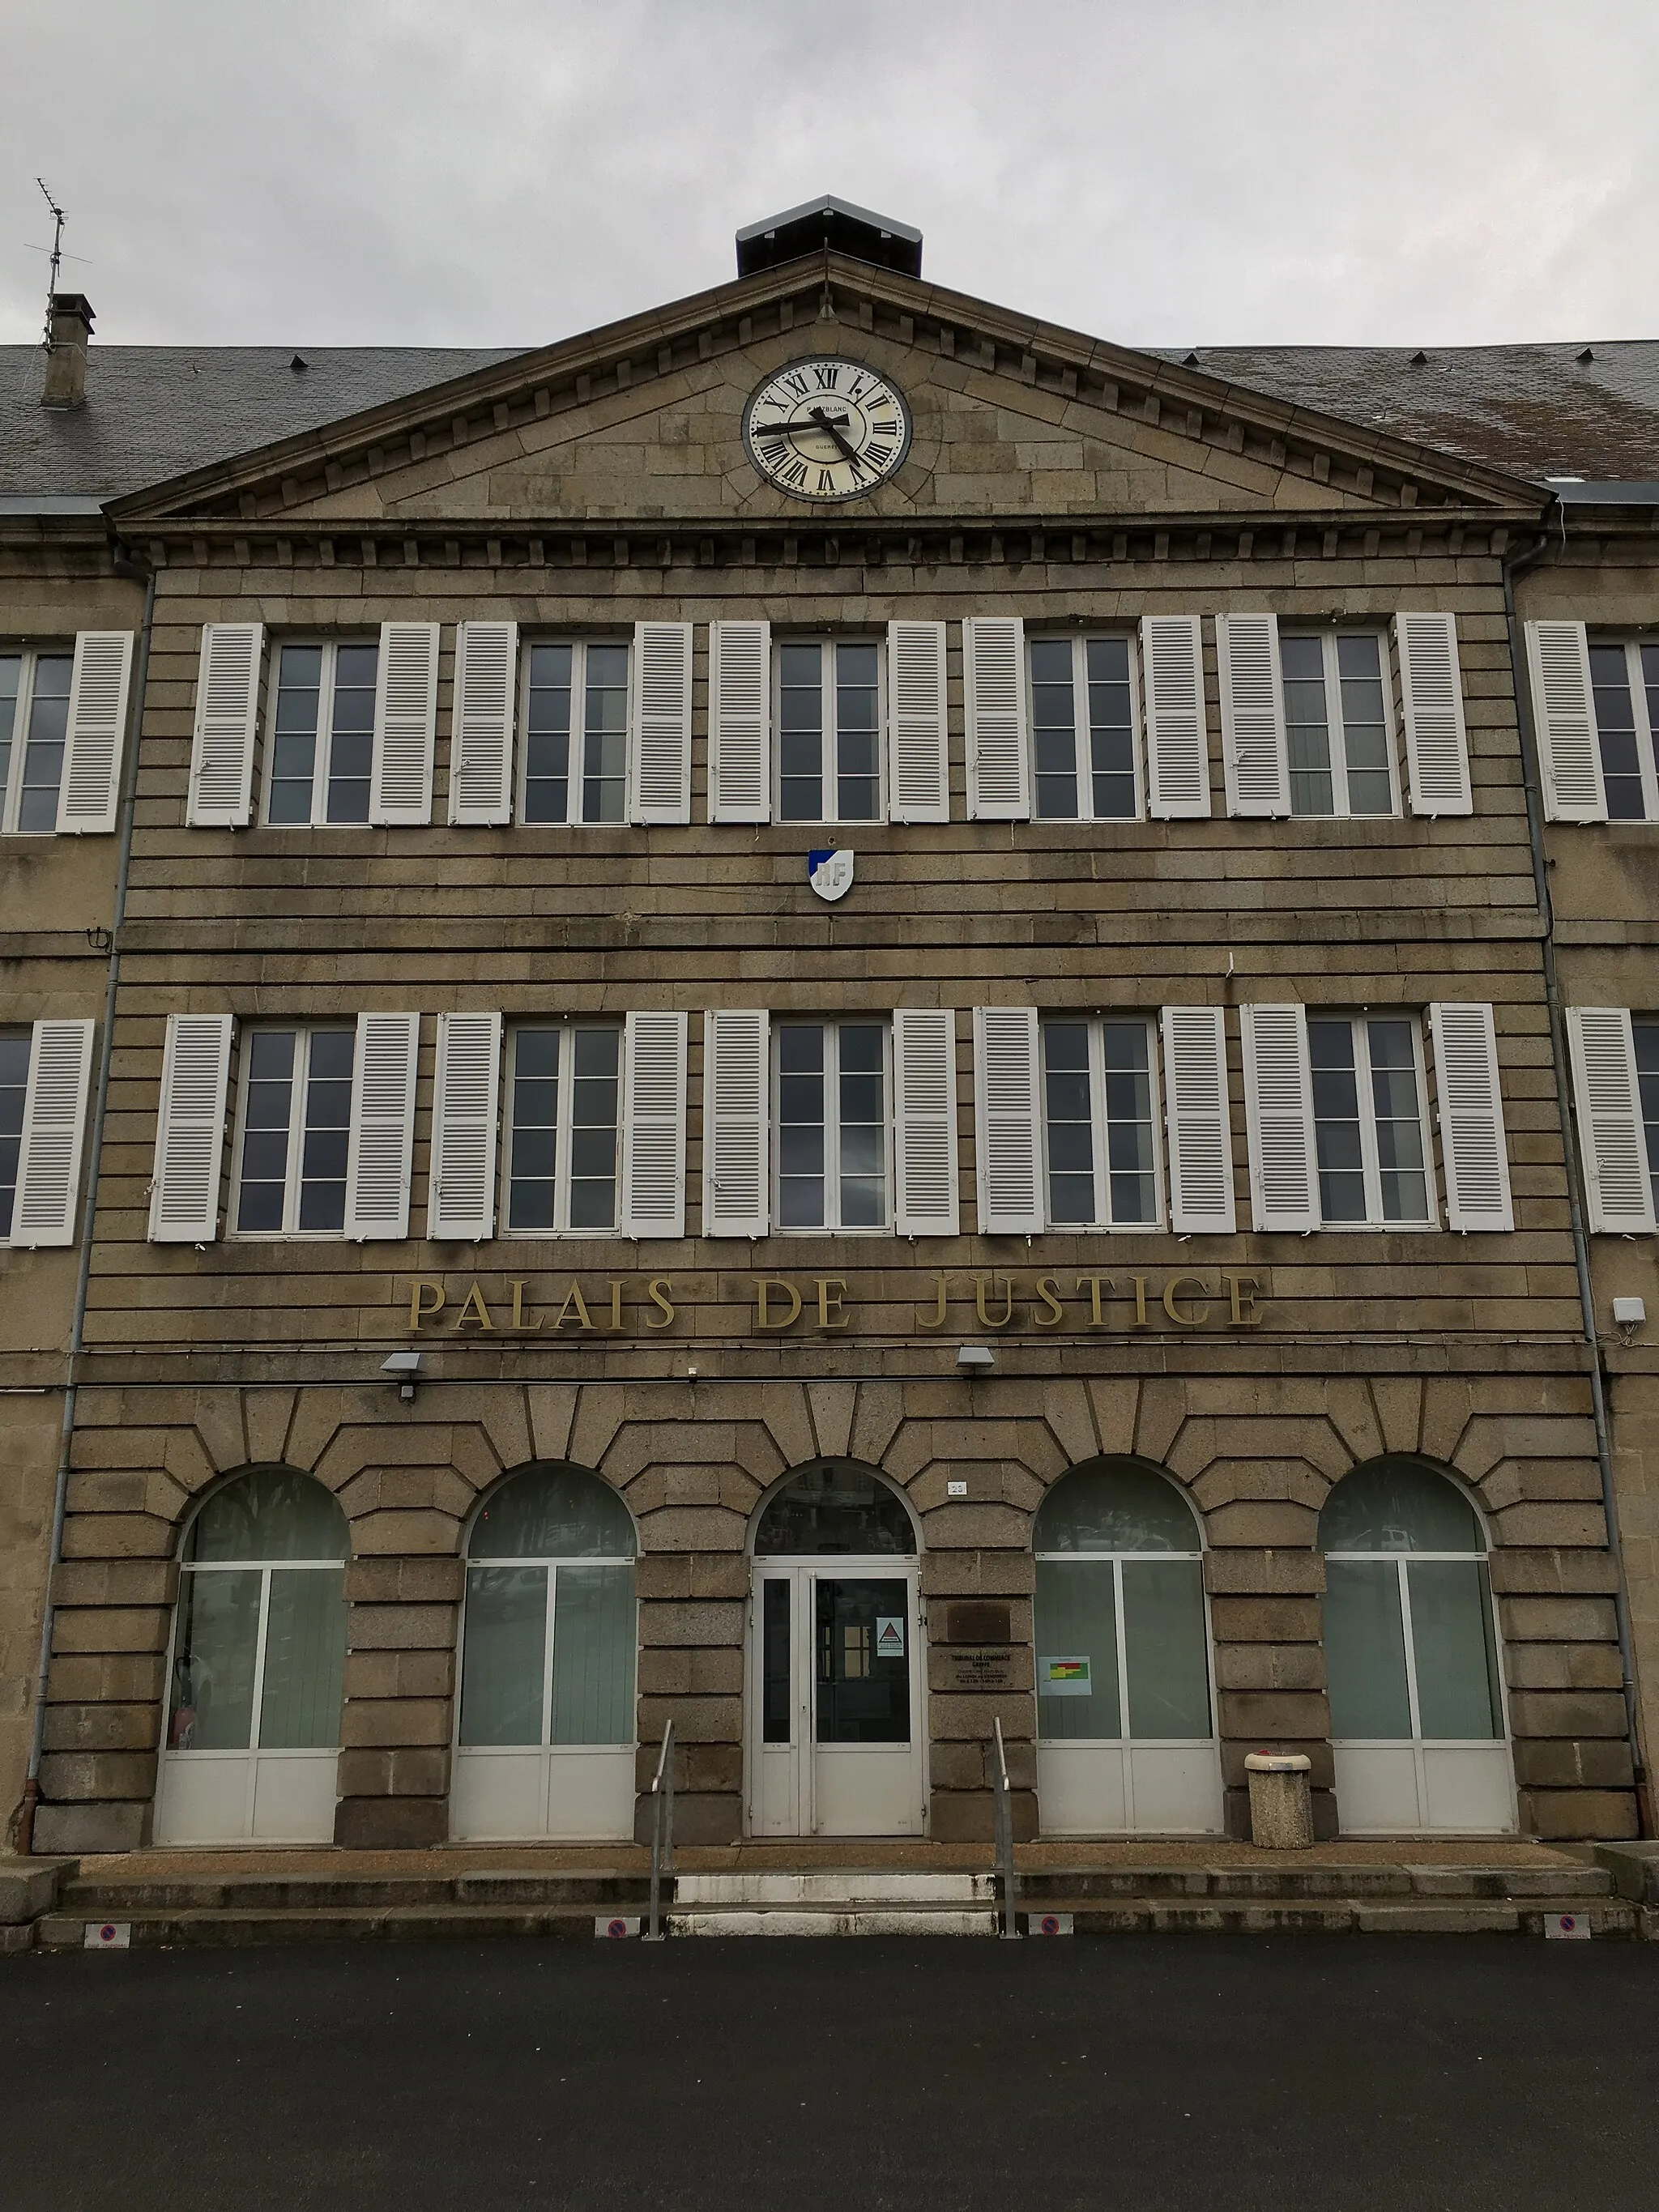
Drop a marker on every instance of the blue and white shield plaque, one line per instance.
(830, 873)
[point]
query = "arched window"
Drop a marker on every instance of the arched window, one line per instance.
(834, 1508)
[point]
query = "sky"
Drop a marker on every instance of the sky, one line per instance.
(498, 173)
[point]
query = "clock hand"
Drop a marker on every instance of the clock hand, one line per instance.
(788, 429)
(825, 423)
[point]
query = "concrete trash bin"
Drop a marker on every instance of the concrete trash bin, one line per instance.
(1281, 1800)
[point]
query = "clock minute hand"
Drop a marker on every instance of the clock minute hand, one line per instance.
(825, 422)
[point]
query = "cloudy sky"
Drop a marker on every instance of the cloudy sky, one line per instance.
(1165, 172)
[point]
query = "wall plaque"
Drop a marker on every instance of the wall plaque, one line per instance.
(986, 1668)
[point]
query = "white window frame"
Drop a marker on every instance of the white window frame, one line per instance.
(1359, 1023)
(1328, 635)
(832, 1025)
(1099, 1125)
(323, 758)
(25, 1030)
(1635, 683)
(1082, 729)
(829, 692)
(567, 1026)
(574, 819)
(303, 1032)
(11, 798)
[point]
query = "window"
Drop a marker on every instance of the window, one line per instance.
(1336, 723)
(35, 696)
(14, 1048)
(322, 741)
(1368, 1120)
(1646, 1034)
(561, 1140)
(829, 731)
(297, 1125)
(1083, 734)
(832, 1125)
(1098, 1113)
(575, 734)
(1624, 678)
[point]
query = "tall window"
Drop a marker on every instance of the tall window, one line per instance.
(561, 1140)
(832, 1148)
(576, 732)
(323, 734)
(35, 695)
(14, 1048)
(1368, 1117)
(296, 1123)
(829, 731)
(1099, 1112)
(1336, 723)
(1646, 1037)
(1083, 734)
(1626, 680)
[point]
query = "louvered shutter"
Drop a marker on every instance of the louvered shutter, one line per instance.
(1472, 1148)
(227, 722)
(918, 757)
(1177, 742)
(1279, 1113)
(189, 1130)
(659, 730)
(54, 1118)
(739, 722)
(1432, 702)
(461, 1191)
(1007, 1141)
(925, 1122)
(1564, 717)
(382, 1142)
(1199, 1123)
(1252, 714)
(737, 1124)
(484, 712)
(653, 1125)
(88, 794)
(1607, 1094)
(406, 724)
(998, 726)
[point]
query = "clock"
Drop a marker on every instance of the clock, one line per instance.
(826, 428)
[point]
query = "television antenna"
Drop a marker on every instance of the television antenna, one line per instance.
(56, 252)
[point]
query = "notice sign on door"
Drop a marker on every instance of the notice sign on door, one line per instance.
(1063, 1678)
(890, 1636)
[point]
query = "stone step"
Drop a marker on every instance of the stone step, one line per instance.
(1080, 1884)
(111, 1896)
(847, 1887)
(837, 1920)
(1284, 1915)
(211, 1927)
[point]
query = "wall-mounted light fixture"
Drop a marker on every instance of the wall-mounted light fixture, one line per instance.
(406, 1366)
(976, 1358)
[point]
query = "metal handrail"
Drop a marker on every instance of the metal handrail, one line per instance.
(1003, 1805)
(662, 1831)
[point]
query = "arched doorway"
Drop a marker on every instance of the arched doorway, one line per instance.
(252, 1749)
(836, 1681)
(545, 1735)
(1411, 1655)
(1125, 1721)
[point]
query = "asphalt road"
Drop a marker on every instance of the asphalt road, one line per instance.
(939, 2076)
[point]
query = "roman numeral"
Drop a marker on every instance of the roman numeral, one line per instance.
(828, 378)
(795, 473)
(879, 453)
(887, 429)
(826, 481)
(795, 382)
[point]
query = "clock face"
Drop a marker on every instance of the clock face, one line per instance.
(826, 429)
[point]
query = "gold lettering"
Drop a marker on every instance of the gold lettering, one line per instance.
(474, 1308)
(1242, 1290)
(984, 1320)
(615, 1322)
(1201, 1300)
(1094, 1285)
(763, 1308)
(519, 1320)
(1045, 1291)
(657, 1291)
(831, 1292)
(418, 1309)
(1141, 1302)
(936, 1319)
(573, 1308)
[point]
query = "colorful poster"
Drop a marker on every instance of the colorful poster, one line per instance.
(1064, 1678)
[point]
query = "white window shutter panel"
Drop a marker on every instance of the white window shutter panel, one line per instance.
(653, 1125)
(1200, 1124)
(406, 724)
(660, 730)
(1278, 1112)
(1607, 1094)
(54, 1118)
(382, 1141)
(1473, 1151)
(484, 709)
(1252, 714)
(739, 722)
(997, 722)
(190, 1129)
(465, 1092)
(1432, 703)
(737, 1124)
(918, 752)
(1177, 739)
(227, 724)
(1007, 1141)
(925, 1122)
(1564, 718)
(87, 795)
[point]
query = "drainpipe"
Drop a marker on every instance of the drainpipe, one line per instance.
(1511, 567)
(134, 572)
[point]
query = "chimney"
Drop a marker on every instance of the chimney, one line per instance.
(66, 352)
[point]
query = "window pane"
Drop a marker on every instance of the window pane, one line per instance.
(1400, 1166)
(1336, 1121)
(1650, 659)
(595, 1064)
(266, 1114)
(327, 1129)
(14, 1049)
(800, 733)
(305, 1656)
(42, 757)
(593, 1641)
(1069, 1114)
(1129, 1159)
(533, 1155)
(861, 1091)
(605, 746)
(1647, 1076)
(352, 743)
(863, 1693)
(1111, 728)
(1365, 724)
(1615, 722)
(11, 678)
(214, 1654)
(1366, 1651)
(1166, 1648)
(1307, 724)
(504, 1654)
(1054, 729)
(547, 735)
(1075, 1618)
(1452, 1644)
(776, 1662)
(800, 1126)
(858, 728)
(294, 739)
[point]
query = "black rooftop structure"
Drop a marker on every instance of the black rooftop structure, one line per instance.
(834, 223)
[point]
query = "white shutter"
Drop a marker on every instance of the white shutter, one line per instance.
(1564, 717)
(54, 1117)
(382, 1142)
(189, 1130)
(925, 1122)
(1607, 1094)
(406, 724)
(1252, 714)
(1432, 702)
(739, 722)
(1279, 1113)
(1473, 1149)
(227, 720)
(737, 1124)
(998, 726)
(461, 1191)
(1177, 741)
(97, 724)
(1200, 1125)
(659, 728)
(1007, 1142)
(653, 1125)
(485, 699)
(918, 755)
